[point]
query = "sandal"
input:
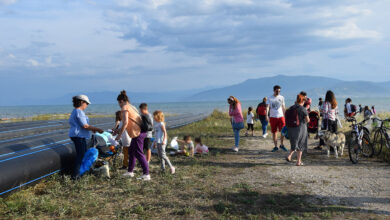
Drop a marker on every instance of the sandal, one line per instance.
(288, 160)
(300, 164)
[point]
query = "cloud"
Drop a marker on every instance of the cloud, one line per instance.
(33, 62)
(226, 30)
(7, 2)
(348, 31)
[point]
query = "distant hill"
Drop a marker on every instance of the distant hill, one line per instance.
(253, 89)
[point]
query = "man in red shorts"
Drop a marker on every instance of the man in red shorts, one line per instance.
(276, 109)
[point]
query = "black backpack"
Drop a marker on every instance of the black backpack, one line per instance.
(353, 108)
(292, 117)
(146, 124)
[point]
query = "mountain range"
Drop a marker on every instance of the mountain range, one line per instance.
(251, 89)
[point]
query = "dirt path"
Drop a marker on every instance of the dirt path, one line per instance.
(364, 187)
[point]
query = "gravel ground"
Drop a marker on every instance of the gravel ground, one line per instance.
(328, 181)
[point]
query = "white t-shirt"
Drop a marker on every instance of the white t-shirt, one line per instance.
(249, 118)
(349, 108)
(275, 106)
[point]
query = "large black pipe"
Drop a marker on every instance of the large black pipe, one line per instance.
(26, 162)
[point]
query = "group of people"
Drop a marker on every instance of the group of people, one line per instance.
(350, 110)
(295, 119)
(134, 129)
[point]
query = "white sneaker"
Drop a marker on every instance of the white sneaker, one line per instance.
(144, 178)
(265, 135)
(173, 170)
(128, 174)
(235, 149)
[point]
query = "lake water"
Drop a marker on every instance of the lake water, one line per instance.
(381, 104)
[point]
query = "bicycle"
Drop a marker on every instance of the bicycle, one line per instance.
(381, 137)
(360, 143)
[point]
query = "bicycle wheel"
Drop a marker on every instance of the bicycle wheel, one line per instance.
(353, 149)
(367, 149)
(378, 141)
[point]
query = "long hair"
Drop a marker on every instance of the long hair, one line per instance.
(118, 116)
(331, 99)
(300, 98)
(159, 116)
(234, 101)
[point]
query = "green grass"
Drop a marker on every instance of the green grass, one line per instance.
(199, 189)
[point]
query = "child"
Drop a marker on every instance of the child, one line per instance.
(367, 112)
(125, 139)
(161, 138)
(147, 142)
(188, 146)
(200, 148)
(249, 121)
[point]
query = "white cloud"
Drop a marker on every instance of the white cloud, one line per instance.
(349, 30)
(33, 62)
(11, 56)
(7, 2)
(48, 60)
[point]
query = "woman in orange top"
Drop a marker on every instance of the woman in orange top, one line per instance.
(131, 122)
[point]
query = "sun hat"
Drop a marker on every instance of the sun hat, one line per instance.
(83, 98)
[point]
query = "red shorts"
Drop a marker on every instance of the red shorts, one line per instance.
(277, 124)
(351, 114)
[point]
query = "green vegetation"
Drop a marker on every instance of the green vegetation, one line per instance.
(206, 186)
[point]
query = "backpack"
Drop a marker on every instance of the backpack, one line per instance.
(261, 109)
(292, 117)
(353, 108)
(146, 124)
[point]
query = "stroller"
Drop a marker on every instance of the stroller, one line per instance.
(108, 149)
(313, 124)
(103, 149)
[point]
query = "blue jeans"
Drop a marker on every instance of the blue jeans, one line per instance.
(264, 124)
(236, 130)
(80, 145)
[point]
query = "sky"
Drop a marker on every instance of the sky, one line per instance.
(56, 47)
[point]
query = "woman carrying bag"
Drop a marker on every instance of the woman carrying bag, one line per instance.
(132, 124)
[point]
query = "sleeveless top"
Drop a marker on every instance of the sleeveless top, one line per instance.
(133, 126)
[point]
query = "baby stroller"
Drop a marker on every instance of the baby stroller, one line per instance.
(313, 124)
(109, 149)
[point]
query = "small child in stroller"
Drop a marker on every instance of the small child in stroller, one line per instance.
(313, 125)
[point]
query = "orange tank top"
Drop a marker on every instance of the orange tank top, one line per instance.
(133, 126)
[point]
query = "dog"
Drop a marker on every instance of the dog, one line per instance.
(334, 140)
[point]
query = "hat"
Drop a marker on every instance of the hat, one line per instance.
(83, 98)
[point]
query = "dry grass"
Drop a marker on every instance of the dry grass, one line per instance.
(198, 190)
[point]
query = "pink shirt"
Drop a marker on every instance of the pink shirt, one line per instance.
(201, 149)
(236, 113)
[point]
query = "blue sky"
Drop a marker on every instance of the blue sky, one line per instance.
(50, 48)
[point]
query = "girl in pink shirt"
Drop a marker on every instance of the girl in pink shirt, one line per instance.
(237, 120)
(200, 148)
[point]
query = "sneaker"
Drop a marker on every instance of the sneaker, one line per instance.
(173, 170)
(283, 148)
(265, 135)
(128, 174)
(144, 177)
(235, 149)
(275, 149)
